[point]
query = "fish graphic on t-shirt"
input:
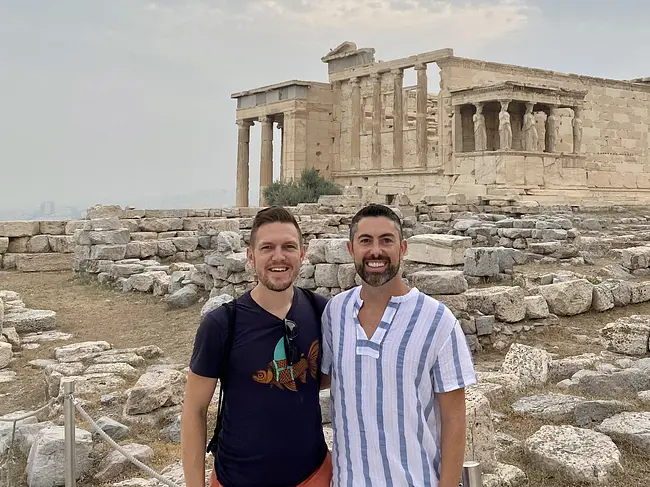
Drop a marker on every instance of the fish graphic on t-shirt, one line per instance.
(279, 375)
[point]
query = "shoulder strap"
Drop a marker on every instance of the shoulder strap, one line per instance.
(231, 313)
(318, 309)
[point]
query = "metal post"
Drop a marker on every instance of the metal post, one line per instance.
(70, 440)
(472, 474)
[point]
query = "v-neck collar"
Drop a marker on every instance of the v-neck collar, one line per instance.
(370, 347)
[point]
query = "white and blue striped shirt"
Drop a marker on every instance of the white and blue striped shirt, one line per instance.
(385, 416)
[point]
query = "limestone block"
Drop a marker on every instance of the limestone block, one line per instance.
(148, 249)
(102, 224)
(108, 252)
(316, 251)
(326, 275)
(346, 276)
(564, 368)
(43, 262)
(4, 244)
(76, 352)
(481, 262)
(536, 307)
(132, 250)
(186, 244)
(158, 387)
(631, 427)
(38, 244)
(19, 229)
(629, 335)
(61, 244)
(214, 227)
(336, 251)
(480, 442)
(46, 465)
(114, 462)
(530, 364)
(640, 292)
(635, 258)
(6, 352)
(30, 320)
(457, 303)
(438, 249)
(140, 236)
(568, 298)
(582, 455)
(161, 224)
(106, 237)
(504, 302)
(18, 245)
(52, 227)
(549, 407)
(439, 282)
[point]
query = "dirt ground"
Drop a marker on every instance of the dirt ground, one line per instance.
(93, 312)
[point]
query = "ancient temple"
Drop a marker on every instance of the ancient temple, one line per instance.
(492, 129)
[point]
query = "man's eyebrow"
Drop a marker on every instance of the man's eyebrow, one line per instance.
(384, 235)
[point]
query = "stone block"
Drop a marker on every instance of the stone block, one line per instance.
(43, 262)
(18, 245)
(108, 252)
(4, 244)
(439, 282)
(635, 258)
(568, 298)
(52, 227)
(317, 251)
(106, 237)
(346, 276)
(19, 229)
(38, 244)
(536, 307)
(482, 262)
(214, 227)
(504, 302)
(61, 244)
(102, 224)
(326, 275)
(336, 251)
(440, 249)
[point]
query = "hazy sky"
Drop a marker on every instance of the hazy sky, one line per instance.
(121, 101)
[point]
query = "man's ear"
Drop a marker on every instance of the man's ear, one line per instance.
(249, 255)
(349, 246)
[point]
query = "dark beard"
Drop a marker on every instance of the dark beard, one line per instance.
(376, 279)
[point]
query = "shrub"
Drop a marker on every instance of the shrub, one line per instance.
(308, 189)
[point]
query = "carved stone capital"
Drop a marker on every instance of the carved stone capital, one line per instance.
(354, 82)
(375, 77)
(420, 67)
(397, 72)
(245, 123)
(266, 119)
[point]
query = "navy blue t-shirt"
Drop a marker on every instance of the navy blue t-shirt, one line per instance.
(272, 433)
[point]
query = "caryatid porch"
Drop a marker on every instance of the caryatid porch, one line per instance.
(522, 126)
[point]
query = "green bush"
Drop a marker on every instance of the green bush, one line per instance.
(308, 189)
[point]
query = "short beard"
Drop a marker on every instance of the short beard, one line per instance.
(277, 287)
(376, 279)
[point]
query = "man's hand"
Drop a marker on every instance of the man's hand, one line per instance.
(452, 416)
(198, 394)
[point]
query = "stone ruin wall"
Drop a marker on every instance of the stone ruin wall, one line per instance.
(456, 249)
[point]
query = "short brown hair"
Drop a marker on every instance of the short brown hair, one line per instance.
(273, 214)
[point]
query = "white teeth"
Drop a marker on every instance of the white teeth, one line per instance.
(278, 269)
(376, 264)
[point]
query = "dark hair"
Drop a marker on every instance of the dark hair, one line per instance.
(273, 214)
(373, 211)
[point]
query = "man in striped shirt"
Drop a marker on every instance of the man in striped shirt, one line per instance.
(398, 363)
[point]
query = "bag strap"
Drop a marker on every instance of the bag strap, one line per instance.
(318, 309)
(231, 313)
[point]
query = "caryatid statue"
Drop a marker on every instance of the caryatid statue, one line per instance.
(530, 129)
(505, 128)
(553, 131)
(577, 129)
(480, 133)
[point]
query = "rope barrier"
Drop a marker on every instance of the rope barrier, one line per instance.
(118, 448)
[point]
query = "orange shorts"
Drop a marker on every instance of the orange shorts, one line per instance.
(320, 478)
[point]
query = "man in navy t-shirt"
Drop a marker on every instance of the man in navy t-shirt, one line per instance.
(272, 433)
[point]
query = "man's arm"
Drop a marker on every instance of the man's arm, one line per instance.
(452, 417)
(325, 381)
(198, 394)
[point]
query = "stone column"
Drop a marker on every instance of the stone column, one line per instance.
(336, 115)
(266, 159)
(377, 113)
(355, 132)
(577, 129)
(421, 115)
(280, 123)
(480, 132)
(505, 127)
(243, 141)
(398, 118)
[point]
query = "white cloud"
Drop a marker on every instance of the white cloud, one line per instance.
(476, 21)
